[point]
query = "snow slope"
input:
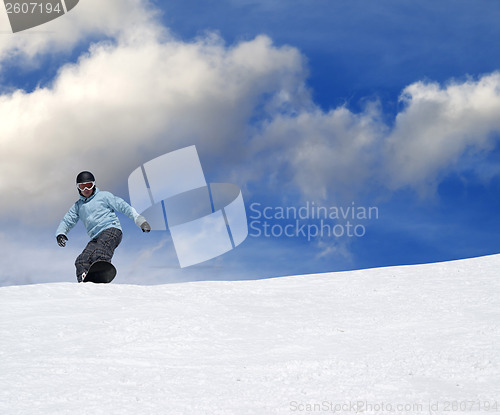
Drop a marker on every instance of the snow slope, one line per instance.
(412, 339)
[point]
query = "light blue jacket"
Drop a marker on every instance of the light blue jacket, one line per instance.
(98, 213)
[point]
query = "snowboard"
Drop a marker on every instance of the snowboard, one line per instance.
(100, 272)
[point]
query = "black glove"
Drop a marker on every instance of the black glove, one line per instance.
(61, 240)
(145, 227)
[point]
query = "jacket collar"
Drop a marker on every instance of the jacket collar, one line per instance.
(87, 199)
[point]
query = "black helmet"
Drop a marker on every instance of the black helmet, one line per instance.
(85, 177)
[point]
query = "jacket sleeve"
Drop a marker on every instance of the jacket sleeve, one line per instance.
(117, 203)
(69, 221)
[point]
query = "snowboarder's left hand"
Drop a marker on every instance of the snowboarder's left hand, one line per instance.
(145, 227)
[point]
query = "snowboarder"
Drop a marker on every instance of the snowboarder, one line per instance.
(96, 209)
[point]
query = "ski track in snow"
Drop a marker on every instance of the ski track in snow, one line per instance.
(393, 339)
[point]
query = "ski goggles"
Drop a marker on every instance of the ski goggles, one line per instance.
(85, 186)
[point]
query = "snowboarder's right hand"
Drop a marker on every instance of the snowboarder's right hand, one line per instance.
(61, 240)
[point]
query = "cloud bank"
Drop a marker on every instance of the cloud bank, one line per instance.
(140, 92)
(128, 101)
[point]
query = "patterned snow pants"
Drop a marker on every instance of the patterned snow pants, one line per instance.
(101, 248)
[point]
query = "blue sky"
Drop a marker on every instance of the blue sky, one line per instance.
(389, 104)
(359, 49)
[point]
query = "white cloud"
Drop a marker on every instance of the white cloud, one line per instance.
(126, 102)
(339, 154)
(326, 155)
(438, 126)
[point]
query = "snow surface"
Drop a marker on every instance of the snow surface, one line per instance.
(410, 339)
